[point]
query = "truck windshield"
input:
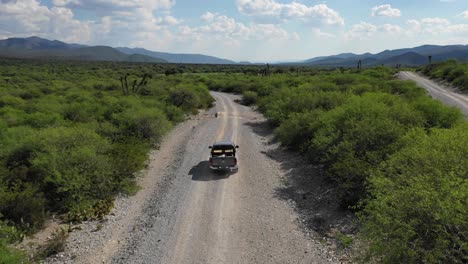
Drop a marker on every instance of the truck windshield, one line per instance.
(221, 150)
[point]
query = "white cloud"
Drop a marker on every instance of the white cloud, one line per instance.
(270, 10)
(29, 17)
(170, 20)
(391, 29)
(65, 2)
(424, 29)
(385, 10)
(320, 34)
(208, 17)
(225, 28)
(366, 30)
(117, 22)
(116, 5)
(435, 26)
(361, 31)
(464, 14)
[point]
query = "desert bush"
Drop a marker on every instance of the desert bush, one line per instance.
(144, 123)
(10, 255)
(249, 97)
(23, 204)
(451, 71)
(75, 167)
(461, 81)
(9, 234)
(417, 209)
(436, 114)
(184, 98)
(298, 129)
(354, 138)
(455, 73)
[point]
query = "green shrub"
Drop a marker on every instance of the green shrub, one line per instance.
(249, 98)
(354, 138)
(184, 98)
(451, 71)
(437, 114)
(144, 123)
(298, 129)
(9, 255)
(9, 234)
(24, 205)
(12, 101)
(128, 157)
(461, 82)
(418, 205)
(75, 165)
(344, 240)
(454, 74)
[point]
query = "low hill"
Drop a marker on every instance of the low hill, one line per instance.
(409, 57)
(178, 58)
(33, 43)
(98, 53)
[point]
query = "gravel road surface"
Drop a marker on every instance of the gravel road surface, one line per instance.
(187, 213)
(444, 94)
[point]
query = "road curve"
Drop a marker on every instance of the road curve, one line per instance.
(209, 217)
(437, 92)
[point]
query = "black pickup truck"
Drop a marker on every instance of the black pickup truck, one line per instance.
(223, 156)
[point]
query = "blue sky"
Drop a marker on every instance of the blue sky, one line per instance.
(242, 30)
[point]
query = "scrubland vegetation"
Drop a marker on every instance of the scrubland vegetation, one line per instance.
(451, 71)
(399, 158)
(72, 138)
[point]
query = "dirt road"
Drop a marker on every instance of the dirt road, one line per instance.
(188, 214)
(440, 93)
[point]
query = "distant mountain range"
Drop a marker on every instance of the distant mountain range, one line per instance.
(39, 48)
(408, 57)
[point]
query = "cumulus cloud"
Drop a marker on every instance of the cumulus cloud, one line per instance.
(426, 28)
(464, 14)
(226, 28)
(366, 30)
(208, 17)
(435, 26)
(361, 30)
(113, 22)
(169, 20)
(270, 10)
(116, 5)
(385, 10)
(29, 17)
(320, 34)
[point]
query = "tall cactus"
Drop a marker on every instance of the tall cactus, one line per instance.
(136, 86)
(359, 65)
